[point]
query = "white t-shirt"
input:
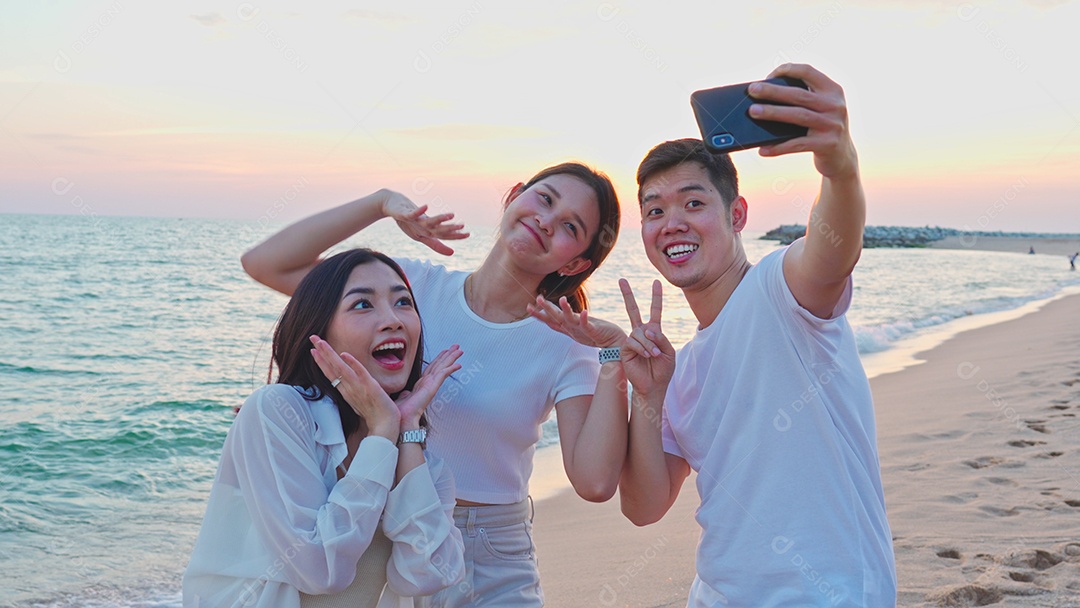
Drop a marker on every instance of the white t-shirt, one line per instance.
(485, 420)
(771, 406)
(279, 521)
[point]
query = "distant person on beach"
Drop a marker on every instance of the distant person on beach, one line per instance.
(1032, 250)
(555, 230)
(768, 402)
(325, 495)
(1072, 260)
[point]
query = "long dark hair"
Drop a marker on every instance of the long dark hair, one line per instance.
(309, 312)
(554, 285)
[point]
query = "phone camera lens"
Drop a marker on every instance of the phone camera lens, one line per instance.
(723, 140)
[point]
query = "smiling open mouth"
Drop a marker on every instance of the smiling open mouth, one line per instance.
(677, 252)
(390, 353)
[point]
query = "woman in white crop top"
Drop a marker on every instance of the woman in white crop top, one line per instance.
(313, 505)
(555, 230)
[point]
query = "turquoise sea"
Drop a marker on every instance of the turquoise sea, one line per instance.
(126, 342)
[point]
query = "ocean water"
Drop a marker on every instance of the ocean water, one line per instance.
(126, 342)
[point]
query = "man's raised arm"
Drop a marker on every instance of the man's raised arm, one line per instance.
(817, 267)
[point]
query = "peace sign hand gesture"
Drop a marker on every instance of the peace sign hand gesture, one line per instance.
(647, 356)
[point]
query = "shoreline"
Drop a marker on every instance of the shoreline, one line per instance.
(981, 468)
(936, 237)
(1044, 245)
(907, 352)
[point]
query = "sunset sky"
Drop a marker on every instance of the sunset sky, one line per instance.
(965, 114)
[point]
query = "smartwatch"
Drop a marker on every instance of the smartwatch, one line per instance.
(612, 353)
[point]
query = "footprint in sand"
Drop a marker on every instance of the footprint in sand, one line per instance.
(1052, 505)
(1049, 455)
(999, 511)
(1023, 577)
(1002, 481)
(985, 461)
(968, 595)
(1019, 577)
(1037, 425)
(949, 554)
(1059, 407)
(1073, 503)
(991, 461)
(957, 434)
(1036, 559)
(960, 499)
(1025, 443)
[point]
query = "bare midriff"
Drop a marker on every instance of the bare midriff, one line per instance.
(469, 503)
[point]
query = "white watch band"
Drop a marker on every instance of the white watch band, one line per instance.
(612, 353)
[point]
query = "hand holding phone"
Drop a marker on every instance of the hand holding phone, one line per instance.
(723, 115)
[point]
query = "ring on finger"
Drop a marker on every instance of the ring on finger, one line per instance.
(336, 382)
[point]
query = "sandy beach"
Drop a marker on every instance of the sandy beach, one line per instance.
(1014, 244)
(980, 455)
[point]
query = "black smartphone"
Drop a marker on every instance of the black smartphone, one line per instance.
(723, 115)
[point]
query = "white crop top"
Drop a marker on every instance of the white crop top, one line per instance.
(485, 420)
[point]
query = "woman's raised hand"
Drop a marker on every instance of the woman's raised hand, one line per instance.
(647, 355)
(411, 404)
(577, 325)
(415, 222)
(359, 389)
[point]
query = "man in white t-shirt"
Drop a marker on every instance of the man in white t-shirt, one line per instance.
(768, 402)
